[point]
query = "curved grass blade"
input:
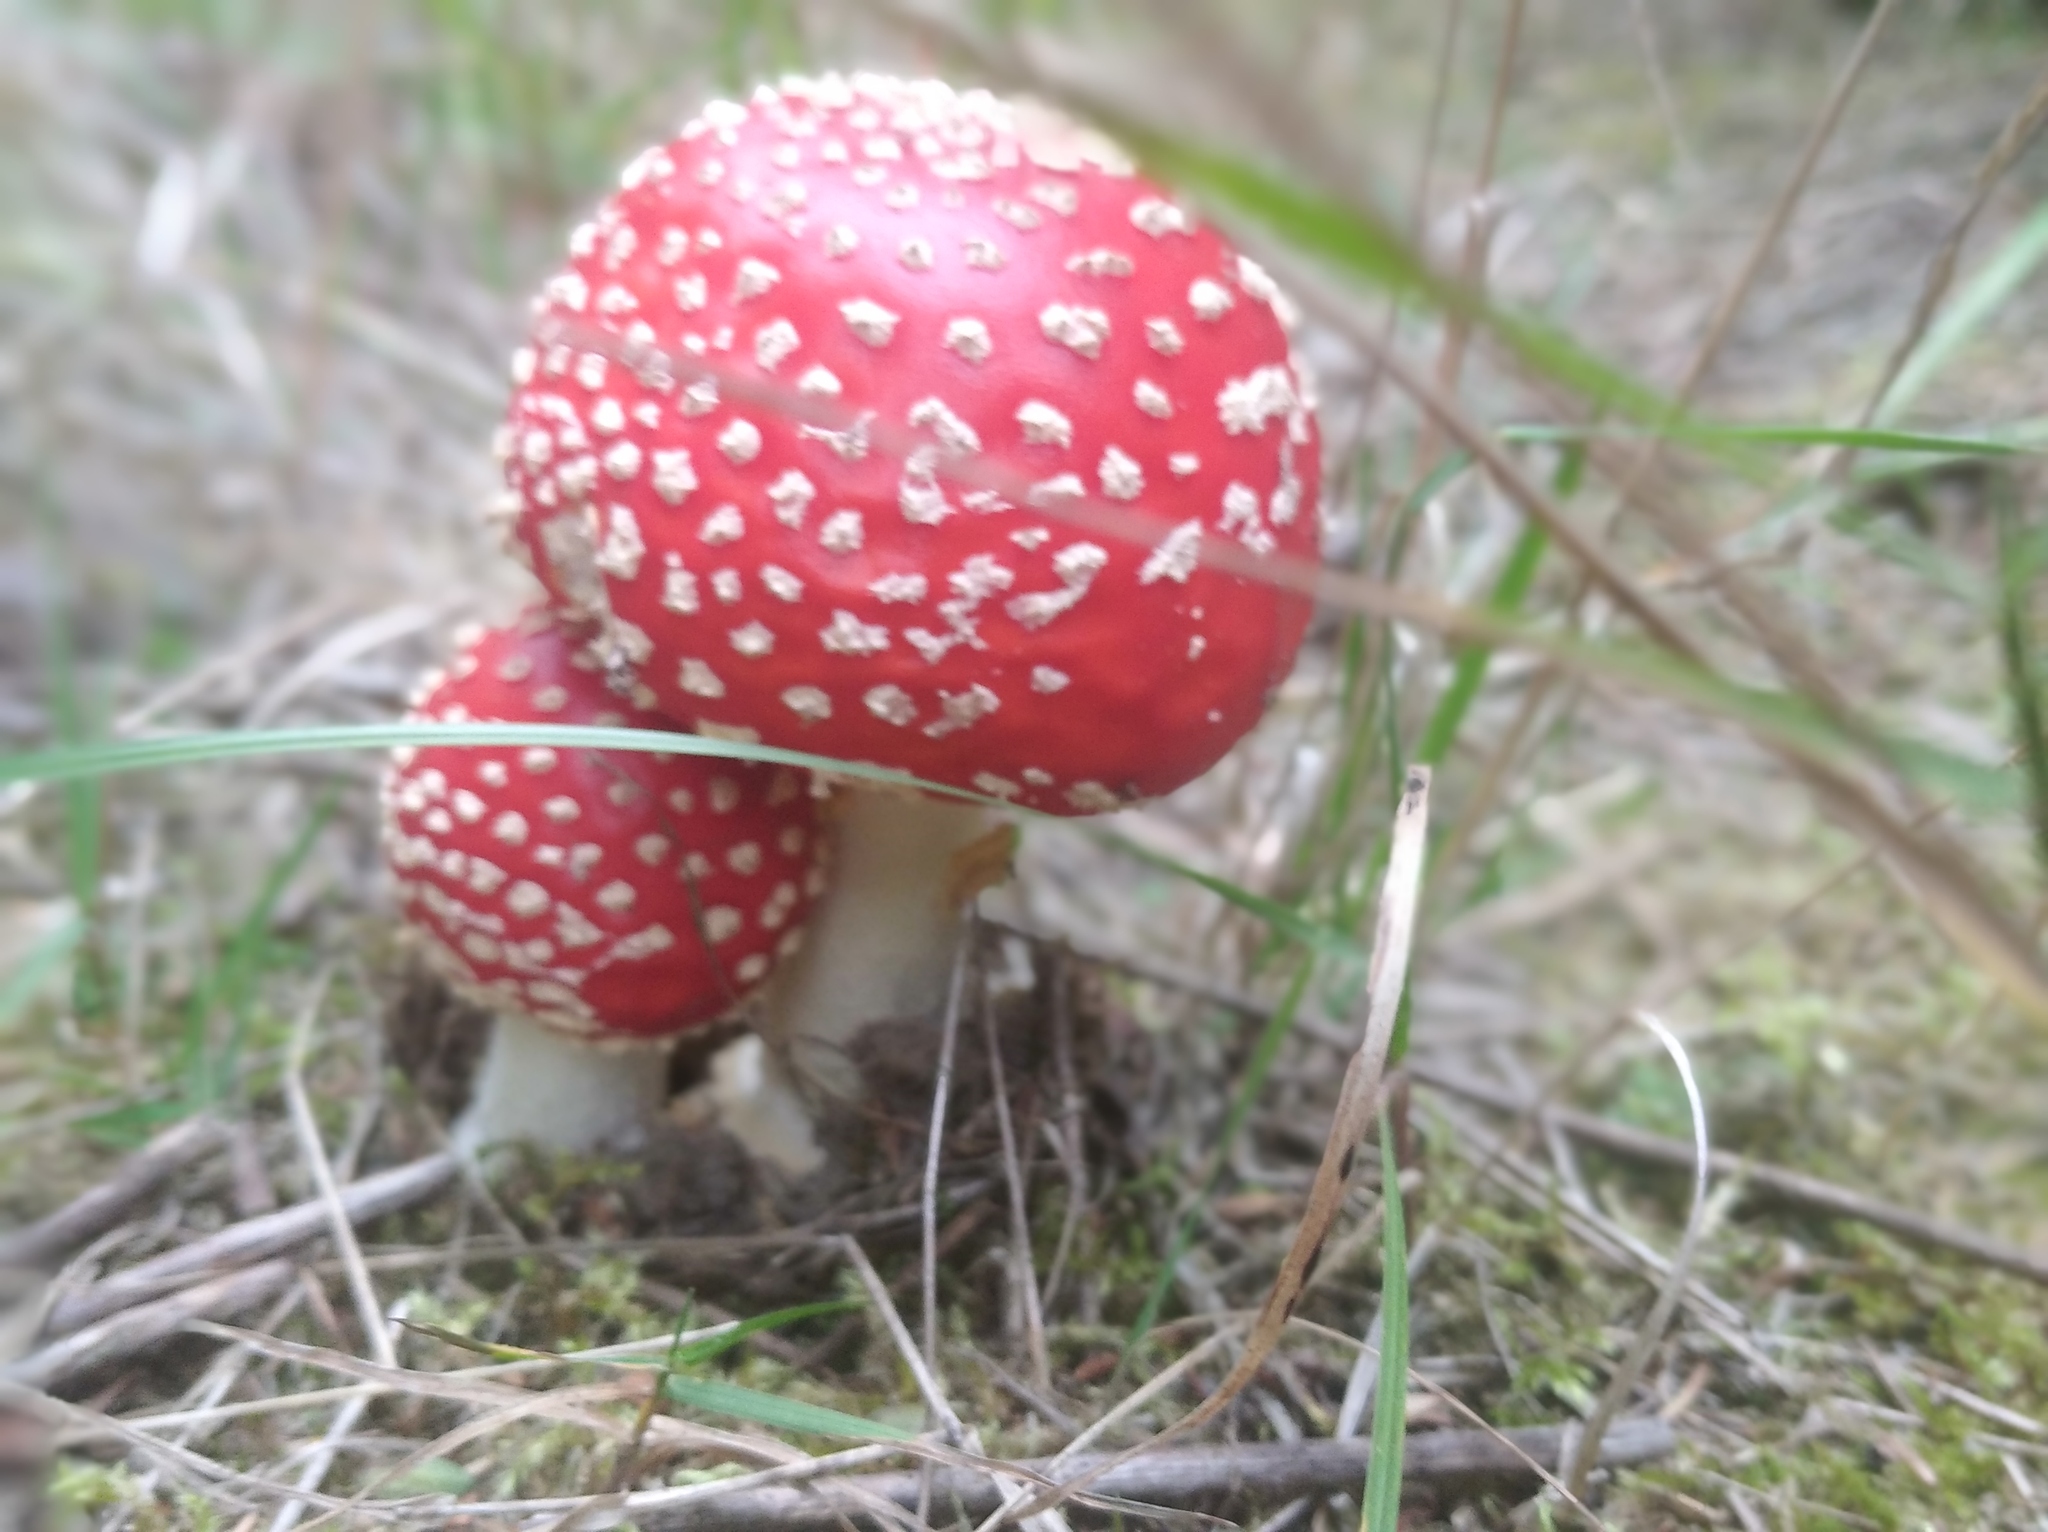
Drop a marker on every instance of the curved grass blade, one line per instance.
(1785, 721)
(69, 763)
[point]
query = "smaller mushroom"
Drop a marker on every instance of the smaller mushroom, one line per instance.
(597, 903)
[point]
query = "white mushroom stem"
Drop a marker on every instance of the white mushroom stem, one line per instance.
(880, 942)
(540, 1087)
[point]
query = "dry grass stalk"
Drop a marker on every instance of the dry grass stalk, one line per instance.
(1022, 1264)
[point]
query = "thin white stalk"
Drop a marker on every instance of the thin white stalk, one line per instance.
(539, 1087)
(880, 943)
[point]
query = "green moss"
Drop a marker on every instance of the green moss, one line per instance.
(1994, 1333)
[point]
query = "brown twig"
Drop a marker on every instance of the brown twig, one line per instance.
(133, 1329)
(254, 1239)
(92, 1213)
(1465, 1461)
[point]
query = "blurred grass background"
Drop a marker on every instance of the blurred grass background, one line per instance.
(261, 265)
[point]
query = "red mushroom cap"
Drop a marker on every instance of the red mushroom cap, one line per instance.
(997, 282)
(600, 894)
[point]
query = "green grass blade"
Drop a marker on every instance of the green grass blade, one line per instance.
(674, 1357)
(1264, 1051)
(69, 763)
(139, 755)
(1369, 247)
(1776, 717)
(1937, 443)
(1509, 592)
(723, 1398)
(430, 1476)
(1382, 1505)
(1981, 297)
(205, 1076)
(83, 810)
(2023, 679)
(1284, 920)
(495, 1350)
(698, 1352)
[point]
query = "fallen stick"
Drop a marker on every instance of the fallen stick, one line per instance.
(1788, 1185)
(119, 1337)
(1264, 1472)
(253, 1239)
(85, 1218)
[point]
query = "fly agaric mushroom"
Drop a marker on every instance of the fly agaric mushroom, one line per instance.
(597, 903)
(994, 283)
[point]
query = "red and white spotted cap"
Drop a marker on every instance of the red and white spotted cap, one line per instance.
(989, 281)
(599, 894)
